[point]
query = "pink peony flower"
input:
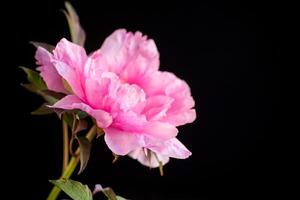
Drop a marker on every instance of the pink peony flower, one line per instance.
(121, 87)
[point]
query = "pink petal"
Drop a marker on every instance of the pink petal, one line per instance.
(69, 60)
(95, 66)
(160, 130)
(48, 72)
(71, 76)
(131, 122)
(139, 154)
(181, 117)
(157, 106)
(164, 150)
(112, 50)
(109, 93)
(128, 96)
(129, 55)
(94, 92)
(71, 102)
(143, 63)
(71, 54)
(167, 84)
(121, 142)
(172, 148)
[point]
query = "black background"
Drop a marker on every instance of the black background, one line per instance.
(228, 51)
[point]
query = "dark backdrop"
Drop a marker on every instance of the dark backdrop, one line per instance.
(228, 51)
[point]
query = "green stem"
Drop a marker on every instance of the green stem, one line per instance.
(67, 174)
(71, 166)
(66, 146)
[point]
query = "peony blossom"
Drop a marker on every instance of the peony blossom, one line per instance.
(121, 87)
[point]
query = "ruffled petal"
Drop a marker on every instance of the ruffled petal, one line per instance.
(131, 56)
(72, 102)
(167, 84)
(121, 142)
(140, 155)
(156, 107)
(73, 78)
(131, 122)
(69, 60)
(71, 54)
(48, 72)
(180, 117)
(171, 148)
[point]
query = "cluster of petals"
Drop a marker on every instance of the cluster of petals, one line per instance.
(121, 87)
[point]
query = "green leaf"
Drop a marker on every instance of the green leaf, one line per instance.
(78, 125)
(43, 110)
(35, 78)
(77, 32)
(46, 46)
(48, 96)
(120, 198)
(74, 189)
(80, 114)
(81, 125)
(71, 115)
(85, 151)
(74, 119)
(30, 87)
(109, 193)
(51, 96)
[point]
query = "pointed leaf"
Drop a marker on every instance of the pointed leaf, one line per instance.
(74, 119)
(35, 78)
(85, 151)
(30, 87)
(110, 194)
(80, 114)
(46, 46)
(55, 95)
(43, 110)
(77, 32)
(71, 146)
(78, 124)
(74, 189)
(47, 96)
(50, 96)
(81, 125)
